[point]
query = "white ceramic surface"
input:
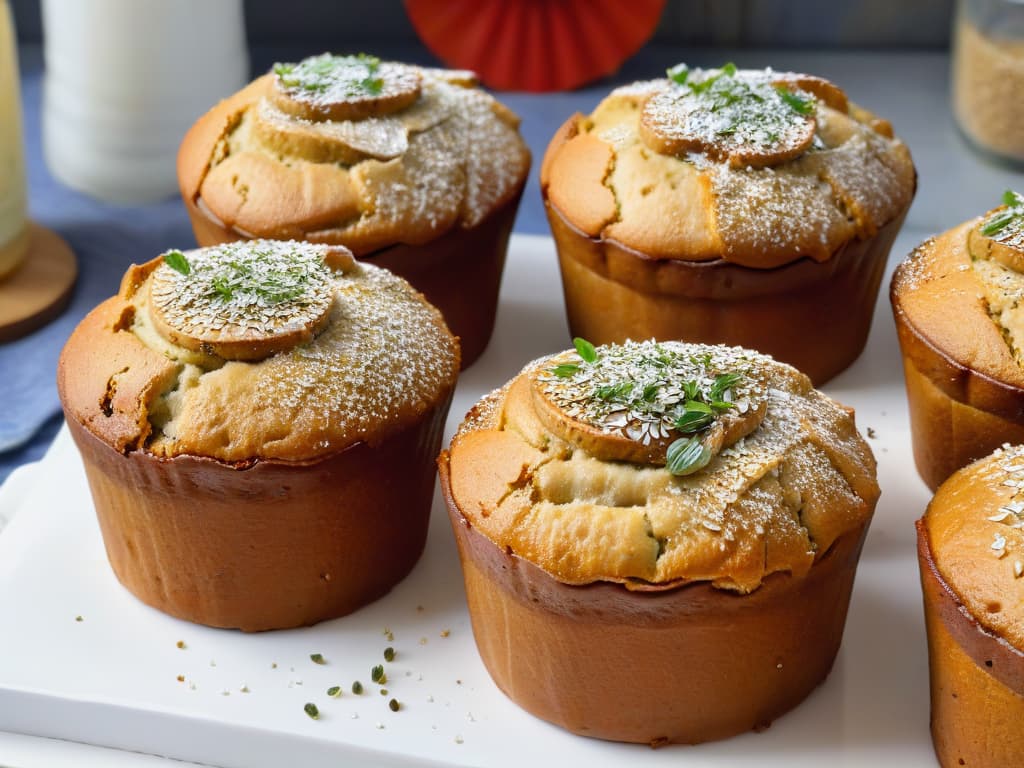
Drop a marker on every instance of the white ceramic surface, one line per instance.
(124, 81)
(110, 679)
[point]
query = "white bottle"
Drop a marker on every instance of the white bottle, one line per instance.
(13, 207)
(124, 81)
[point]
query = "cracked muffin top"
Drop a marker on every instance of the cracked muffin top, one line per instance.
(355, 151)
(256, 350)
(754, 167)
(962, 291)
(658, 464)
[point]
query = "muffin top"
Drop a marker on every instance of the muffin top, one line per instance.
(354, 151)
(256, 350)
(975, 526)
(962, 292)
(658, 464)
(755, 167)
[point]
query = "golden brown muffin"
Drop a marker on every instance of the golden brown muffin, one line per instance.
(971, 553)
(257, 422)
(727, 206)
(658, 539)
(415, 170)
(961, 331)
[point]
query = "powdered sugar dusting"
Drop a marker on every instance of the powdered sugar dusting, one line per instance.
(767, 502)
(263, 286)
(383, 359)
(732, 114)
(381, 355)
(448, 158)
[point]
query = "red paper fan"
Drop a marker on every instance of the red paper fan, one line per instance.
(535, 45)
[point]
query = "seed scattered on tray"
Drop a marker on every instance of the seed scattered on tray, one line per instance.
(334, 691)
(317, 658)
(377, 674)
(357, 688)
(311, 710)
(79, 618)
(389, 654)
(394, 706)
(181, 644)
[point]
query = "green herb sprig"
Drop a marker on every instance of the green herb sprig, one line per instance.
(702, 405)
(722, 90)
(1014, 212)
(177, 261)
(354, 75)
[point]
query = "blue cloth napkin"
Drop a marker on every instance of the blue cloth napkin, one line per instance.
(105, 238)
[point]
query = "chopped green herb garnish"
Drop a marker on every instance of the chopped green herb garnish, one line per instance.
(585, 350)
(1001, 220)
(678, 73)
(615, 391)
(686, 456)
(565, 370)
(799, 104)
(650, 391)
(176, 260)
(357, 688)
(339, 76)
(377, 674)
(334, 691)
(389, 654)
(317, 658)
(311, 710)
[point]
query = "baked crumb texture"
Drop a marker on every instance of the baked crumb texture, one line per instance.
(348, 149)
(976, 533)
(756, 167)
(537, 468)
(961, 291)
(262, 350)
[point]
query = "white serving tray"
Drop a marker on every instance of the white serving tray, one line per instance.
(111, 678)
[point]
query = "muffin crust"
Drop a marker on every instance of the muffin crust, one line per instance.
(707, 199)
(138, 390)
(404, 166)
(771, 501)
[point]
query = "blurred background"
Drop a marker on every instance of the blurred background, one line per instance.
(761, 23)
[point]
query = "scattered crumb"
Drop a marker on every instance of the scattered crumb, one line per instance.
(458, 738)
(181, 678)
(871, 433)
(379, 726)
(445, 632)
(779, 665)
(458, 682)
(181, 644)
(273, 665)
(244, 688)
(79, 618)
(423, 641)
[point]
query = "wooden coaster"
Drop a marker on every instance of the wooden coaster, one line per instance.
(39, 289)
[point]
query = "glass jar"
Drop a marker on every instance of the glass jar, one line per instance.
(14, 230)
(988, 75)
